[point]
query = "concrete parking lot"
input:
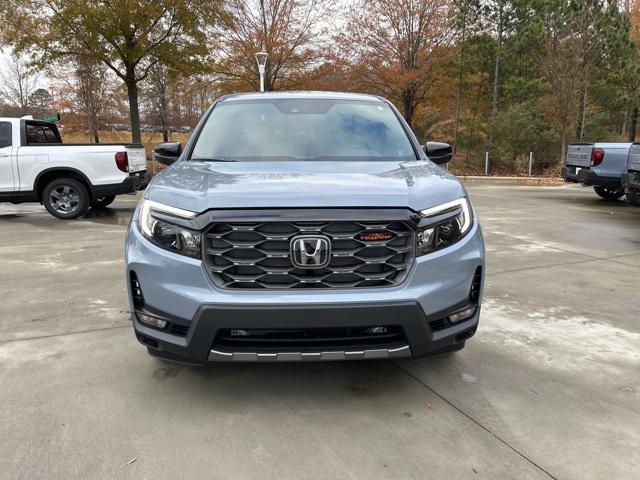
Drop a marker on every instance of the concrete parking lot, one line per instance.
(548, 388)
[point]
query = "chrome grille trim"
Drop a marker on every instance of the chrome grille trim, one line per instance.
(257, 254)
(221, 356)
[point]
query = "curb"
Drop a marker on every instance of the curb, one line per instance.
(491, 180)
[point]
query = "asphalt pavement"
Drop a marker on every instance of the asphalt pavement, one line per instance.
(548, 388)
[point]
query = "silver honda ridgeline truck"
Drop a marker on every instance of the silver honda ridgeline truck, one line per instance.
(303, 226)
(600, 165)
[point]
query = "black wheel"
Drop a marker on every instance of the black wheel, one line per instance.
(65, 198)
(609, 193)
(633, 197)
(103, 202)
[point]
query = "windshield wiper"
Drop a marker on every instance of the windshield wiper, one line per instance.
(212, 159)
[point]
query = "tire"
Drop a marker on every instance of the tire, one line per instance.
(633, 197)
(609, 193)
(66, 198)
(103, 202)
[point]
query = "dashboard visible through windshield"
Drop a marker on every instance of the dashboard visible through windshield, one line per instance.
(302, 129)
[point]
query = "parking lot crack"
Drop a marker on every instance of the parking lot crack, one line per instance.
(572, 262)
(63, 334)
(477, 422)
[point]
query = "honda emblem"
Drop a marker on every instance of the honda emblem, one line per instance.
(310, 251)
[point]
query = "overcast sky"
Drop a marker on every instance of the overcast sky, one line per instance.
(5, 56)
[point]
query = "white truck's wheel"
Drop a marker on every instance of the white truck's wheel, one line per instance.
(65, 198)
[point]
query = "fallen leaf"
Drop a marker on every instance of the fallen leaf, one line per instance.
(129, 462)
(428, 405)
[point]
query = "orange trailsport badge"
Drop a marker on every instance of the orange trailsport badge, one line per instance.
(374, 236)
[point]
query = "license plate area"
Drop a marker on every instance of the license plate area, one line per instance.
(579, 156)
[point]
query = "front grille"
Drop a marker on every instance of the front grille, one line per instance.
(257, 255)
(309, 339)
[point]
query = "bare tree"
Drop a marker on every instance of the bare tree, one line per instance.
(559, 63)
(288, 30)
(190, 97)
(157, 92)
(85, 89)
(17, 83)
(578, 37)
(90, 78)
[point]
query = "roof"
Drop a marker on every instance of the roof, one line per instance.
(302, 94)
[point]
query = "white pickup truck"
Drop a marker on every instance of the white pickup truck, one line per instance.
(68, 179)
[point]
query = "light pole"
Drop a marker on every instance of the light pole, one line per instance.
(261, 58)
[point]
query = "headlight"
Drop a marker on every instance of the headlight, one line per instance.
(445, 225)
(167, 235)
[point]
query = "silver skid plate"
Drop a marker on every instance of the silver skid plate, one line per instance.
(219, 356)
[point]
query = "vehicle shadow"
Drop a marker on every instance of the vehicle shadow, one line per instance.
(40, 218)
(236, 387)
(110, 216)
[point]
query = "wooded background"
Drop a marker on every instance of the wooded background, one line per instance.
(505, 77)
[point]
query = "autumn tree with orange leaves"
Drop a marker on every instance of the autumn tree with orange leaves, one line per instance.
(508, 77)
(394, 46)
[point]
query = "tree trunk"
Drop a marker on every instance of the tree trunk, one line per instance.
(408, 109)
(563, 137)
(92, 124)
(164, 117)
(581, 113)
(633, 123)
(496, 79)
(134, 110)
(473, 120)
(459, 93)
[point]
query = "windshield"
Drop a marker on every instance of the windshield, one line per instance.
(303, 129)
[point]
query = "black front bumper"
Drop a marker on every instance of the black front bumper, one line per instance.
(589, 178)
(631, 180)
(131, 184)
(425, 336)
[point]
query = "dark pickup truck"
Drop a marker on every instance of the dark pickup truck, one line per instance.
(631, 178)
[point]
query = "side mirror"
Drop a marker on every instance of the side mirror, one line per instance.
(438, 152)
(167, 153)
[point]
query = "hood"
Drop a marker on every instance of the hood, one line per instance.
(200, 186)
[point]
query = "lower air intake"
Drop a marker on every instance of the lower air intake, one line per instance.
(312, 339)
(476, 286)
